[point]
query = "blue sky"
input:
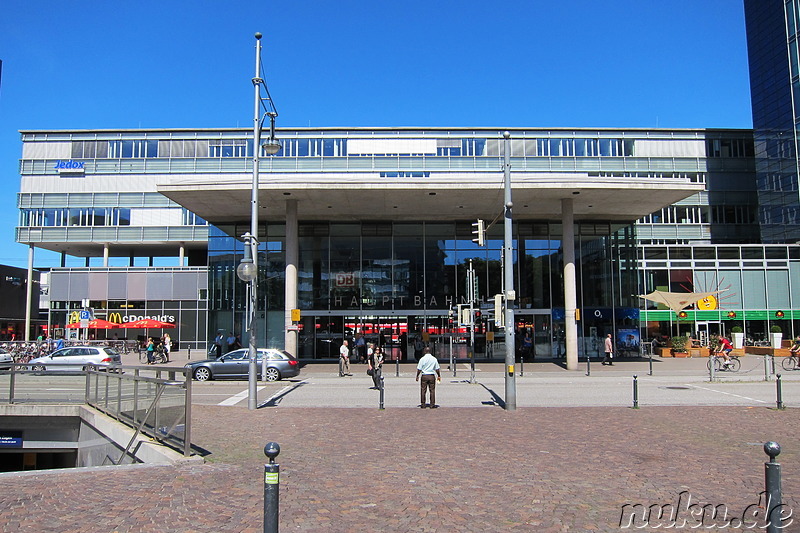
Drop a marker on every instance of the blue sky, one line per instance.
(534, 63)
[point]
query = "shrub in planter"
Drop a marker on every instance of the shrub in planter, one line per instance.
(713, 344)
(775, 329)
(679, 344)
(737, 329)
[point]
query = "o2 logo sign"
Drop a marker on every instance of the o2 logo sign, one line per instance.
(344, 279)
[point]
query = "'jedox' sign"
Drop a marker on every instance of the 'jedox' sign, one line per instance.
(69, 166)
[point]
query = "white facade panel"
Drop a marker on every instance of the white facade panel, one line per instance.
(47, 150)
(671, 148)
(391, 146)
(156, 217)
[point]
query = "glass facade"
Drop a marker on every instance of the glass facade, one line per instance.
(387, 280)
(772, 42)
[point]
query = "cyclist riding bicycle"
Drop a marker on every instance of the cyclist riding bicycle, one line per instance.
(725, 348)
(795, 349)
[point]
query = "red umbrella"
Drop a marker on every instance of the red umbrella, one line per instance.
(97, 323)
(148, 323)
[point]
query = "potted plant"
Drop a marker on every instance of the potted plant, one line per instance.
(776, 335)
(738, 337)
(679, 346)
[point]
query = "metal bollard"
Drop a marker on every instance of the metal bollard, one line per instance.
(766, 367)
(271, 488)
(711, 365)
(397, 367)
(588, 365)
(779, 392)
(381, 395)
(635, 392)
(651, 362)
(190, 352)
(772, 486)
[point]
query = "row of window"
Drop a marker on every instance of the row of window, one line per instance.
(91, 216)
(240, 148)
(715, 214)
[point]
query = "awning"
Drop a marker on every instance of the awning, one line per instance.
(677, 301)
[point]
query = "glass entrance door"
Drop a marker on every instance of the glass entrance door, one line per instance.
(536, 329)
(705, 330)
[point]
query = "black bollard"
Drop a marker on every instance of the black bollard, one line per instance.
(778, 391)
(588, 365)
(190, 352)
(381, 385)
(271, 488)
(635, 392)
(651, 362)
(397, 367)
(772, 485)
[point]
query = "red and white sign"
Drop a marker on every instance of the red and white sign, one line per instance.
(344, 279)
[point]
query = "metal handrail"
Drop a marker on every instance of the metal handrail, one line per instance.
(108, 399)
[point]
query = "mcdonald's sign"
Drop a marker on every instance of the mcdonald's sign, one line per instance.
(116, 318)
(74, 317)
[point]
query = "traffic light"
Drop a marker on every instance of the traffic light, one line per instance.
(479, 230)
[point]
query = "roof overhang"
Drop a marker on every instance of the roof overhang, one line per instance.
(348, 196)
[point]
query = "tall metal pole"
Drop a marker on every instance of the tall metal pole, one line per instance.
(508, 277)
(472, 291)
(252, 374)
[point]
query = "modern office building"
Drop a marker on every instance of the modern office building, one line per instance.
(370, 230)
(380, 225)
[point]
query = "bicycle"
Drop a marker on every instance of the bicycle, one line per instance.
(792, 362)
(719, 363)
(159, 355)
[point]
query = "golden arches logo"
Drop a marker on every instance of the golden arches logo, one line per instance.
(116, 318)
(74, 317)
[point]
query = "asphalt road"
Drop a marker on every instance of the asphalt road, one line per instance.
(683, 384)
(676, 382)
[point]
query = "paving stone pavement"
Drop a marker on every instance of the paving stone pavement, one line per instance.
(422, 470)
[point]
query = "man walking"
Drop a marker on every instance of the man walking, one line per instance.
(428, 368)
(344, 360)
(609, 350)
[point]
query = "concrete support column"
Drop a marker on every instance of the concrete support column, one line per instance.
(29, 295)
(181, 255)
(570, 284)
(292, 258)
(105, 255)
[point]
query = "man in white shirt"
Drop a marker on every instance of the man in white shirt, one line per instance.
(428, 368)
(344, 360)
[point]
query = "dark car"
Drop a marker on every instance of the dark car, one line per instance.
(236, 365)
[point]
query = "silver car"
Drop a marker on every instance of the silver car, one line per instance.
(236, 365)
(6, 360)
(77, 358)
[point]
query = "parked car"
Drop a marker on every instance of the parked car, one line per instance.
(236, 365)
(77, 358)
(6, 360)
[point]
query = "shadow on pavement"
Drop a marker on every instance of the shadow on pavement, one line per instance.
(275, 400)
(496, 399)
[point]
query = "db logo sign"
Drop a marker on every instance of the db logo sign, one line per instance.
(344, 279)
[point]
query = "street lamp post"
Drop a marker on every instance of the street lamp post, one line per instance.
(508, 277)
(248, 268)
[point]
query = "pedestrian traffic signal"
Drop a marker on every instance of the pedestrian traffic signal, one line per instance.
(479, 230)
